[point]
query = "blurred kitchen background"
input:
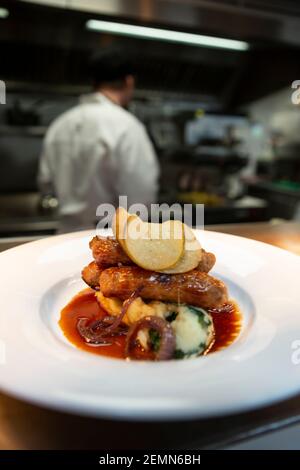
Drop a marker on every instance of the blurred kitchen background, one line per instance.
(222, 120)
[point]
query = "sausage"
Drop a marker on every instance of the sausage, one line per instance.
(90, 274)
(207, 262)
(193, 288)
(108, 252)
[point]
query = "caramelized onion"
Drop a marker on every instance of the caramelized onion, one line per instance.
(125, 307)
(95, 332)
(167, 342)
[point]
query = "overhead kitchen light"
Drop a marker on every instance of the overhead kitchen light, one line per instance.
(146, 32)
(4, 12)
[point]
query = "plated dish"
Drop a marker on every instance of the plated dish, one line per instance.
(38, 363)
(151, 296)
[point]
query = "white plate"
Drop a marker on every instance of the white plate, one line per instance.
(38, 364)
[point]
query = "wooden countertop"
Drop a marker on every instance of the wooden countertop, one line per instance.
(285, 235)
(24, 426)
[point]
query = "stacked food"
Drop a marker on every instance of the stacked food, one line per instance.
(152, 281)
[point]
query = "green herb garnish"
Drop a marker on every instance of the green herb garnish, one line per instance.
(154, 339)
(202, 315)
(171, 317)
(179, 354)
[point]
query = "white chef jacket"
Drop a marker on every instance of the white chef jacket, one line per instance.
(93, 153)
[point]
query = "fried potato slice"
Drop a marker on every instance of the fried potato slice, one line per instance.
(119, 225)
(191, 256)
(154, 246)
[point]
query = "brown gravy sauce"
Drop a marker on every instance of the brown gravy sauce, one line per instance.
(227, 322)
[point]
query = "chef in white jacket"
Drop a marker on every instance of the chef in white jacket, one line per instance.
(97, 150)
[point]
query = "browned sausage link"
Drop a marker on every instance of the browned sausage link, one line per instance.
(108, 252)
(90, 274)
(194, 288)
(207, 262)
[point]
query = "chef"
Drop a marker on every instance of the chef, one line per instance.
(97, 151)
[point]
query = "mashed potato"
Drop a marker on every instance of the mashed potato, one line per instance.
(193, 326)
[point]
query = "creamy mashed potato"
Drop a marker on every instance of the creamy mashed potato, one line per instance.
(193, 326)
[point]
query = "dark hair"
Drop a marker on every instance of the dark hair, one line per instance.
(110, 65)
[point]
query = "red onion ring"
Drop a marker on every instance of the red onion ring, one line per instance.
(95, 332)
(167, 337)
(125, 307)
(108, 326)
